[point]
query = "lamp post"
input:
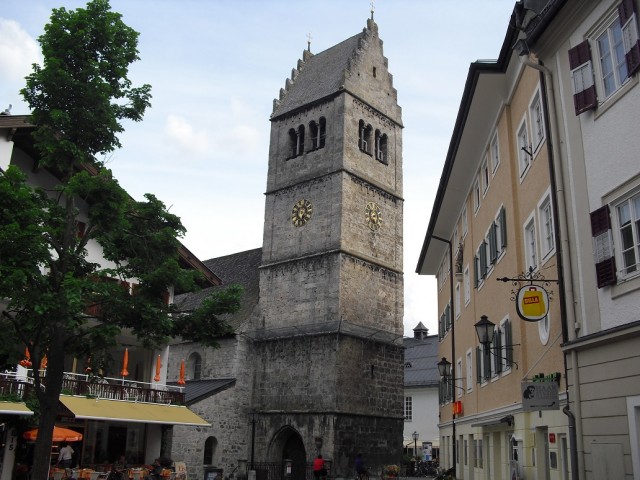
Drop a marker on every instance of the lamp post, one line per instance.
(414, 435)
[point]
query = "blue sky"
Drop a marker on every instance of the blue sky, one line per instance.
(215, 67)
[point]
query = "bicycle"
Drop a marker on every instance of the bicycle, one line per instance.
(362, 476)
(445, 474)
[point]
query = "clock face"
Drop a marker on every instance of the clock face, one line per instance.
(373, 215)
(301, 212)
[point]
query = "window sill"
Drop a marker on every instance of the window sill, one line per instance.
(607, 103)
(625, 285)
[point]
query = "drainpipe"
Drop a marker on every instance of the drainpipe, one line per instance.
(565, 278)
(453, 351)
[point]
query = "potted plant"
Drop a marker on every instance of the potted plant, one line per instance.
(391, 471)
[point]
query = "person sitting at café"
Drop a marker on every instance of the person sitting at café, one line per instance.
(155, 470)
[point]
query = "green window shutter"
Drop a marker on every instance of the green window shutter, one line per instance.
(503, 228)
(509, 342)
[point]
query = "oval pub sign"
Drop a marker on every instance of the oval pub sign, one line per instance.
(532, 303)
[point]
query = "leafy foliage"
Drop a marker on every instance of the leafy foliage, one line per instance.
(80, 260)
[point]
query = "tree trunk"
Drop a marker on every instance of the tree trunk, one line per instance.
(48, 399)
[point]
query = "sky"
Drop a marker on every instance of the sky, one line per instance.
(215, 67)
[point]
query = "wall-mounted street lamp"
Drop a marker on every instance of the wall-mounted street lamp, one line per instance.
(444, 368)
(485, 329)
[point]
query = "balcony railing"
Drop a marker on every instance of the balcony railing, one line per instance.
(17, 387)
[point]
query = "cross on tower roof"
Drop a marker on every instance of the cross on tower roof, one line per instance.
(309, 41)
(373, 7)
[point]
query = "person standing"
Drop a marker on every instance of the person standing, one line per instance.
(361, 470)
(319, 469)
(65, 457)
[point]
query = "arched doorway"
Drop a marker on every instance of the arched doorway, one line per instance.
(287, 445)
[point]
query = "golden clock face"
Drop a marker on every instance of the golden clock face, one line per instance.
(301, 212)
(373, 215)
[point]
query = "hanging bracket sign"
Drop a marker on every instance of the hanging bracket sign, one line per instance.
(532, 303)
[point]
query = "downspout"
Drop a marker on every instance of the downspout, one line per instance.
(453, 351)
(565, 277)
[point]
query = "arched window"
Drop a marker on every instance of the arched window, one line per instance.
(293, 143)
(195, 366)
(314, 131)
(300, 140)
(381, 147)
(364, 137)
(323, 132)
(210, 445)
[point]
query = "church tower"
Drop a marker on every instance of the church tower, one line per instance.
(328, 328)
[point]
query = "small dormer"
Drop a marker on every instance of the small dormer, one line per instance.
(420, 332)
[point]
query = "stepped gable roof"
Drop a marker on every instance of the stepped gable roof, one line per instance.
(319, 76)
(239, 268)
(421, 362)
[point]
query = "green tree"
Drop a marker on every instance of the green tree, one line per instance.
(78, 99)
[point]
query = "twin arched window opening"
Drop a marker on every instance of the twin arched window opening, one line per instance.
(379, 144)
(317, 134)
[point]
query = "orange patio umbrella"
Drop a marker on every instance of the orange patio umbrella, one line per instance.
(158, 367)
(125, 363)
(59, 435)
(26, 362)
(181, 379)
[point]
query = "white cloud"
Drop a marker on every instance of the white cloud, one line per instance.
(180, 131)
(17, 51)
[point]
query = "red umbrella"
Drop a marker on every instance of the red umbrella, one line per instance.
(125, 363)
(59, 435)
(181, 379)
(158, 367)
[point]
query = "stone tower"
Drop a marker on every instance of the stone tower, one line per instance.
(328, 328)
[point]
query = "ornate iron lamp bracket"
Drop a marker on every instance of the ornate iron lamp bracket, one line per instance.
(530, 277)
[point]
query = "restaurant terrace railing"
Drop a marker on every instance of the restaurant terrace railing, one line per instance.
(16, 387)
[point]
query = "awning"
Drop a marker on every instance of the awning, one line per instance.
(121, 411)
(494, 422)
(14, 408)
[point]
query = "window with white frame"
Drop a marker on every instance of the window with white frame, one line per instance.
(536, 115)
(467, 285)
(506, 345)
(478, 457)
(611, 57)
(524, 149)
(495, 153)
(476, 194)
(484, 171)
(465, 225)
(616, 57)
(530, 245)
(469, 365)
(545, 216)
(457, 300)
(483, 364)
(628, 223)
(500, 233)
(408, 408)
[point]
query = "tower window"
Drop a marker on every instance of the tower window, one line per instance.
(381, 147)
(364, 138)
(318, 133)
(296, 141)
(323, 132)
(210, 445)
